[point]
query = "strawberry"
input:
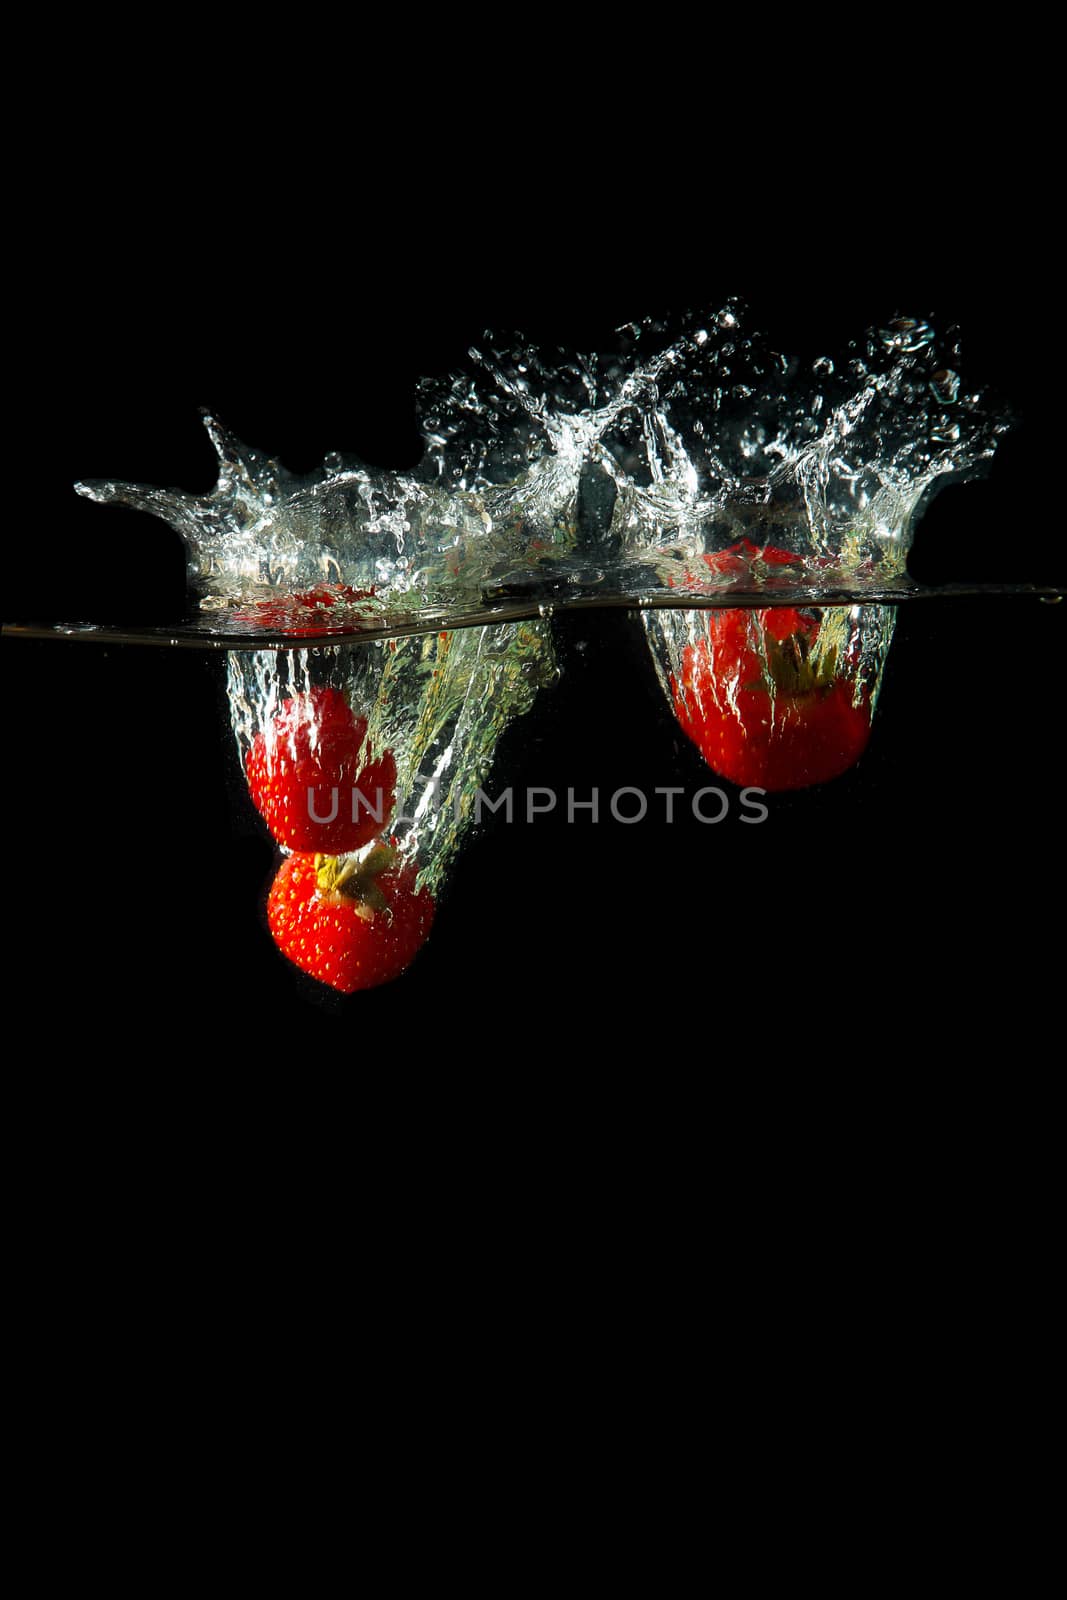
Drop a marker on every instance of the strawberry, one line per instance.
(314, 614)
(744, 563)
(769, 697)
(309, 764)
(351, 923)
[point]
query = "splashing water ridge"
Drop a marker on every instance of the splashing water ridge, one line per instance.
(592, 478)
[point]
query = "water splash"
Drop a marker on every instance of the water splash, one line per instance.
(362, 544)
(733, 439)
(622, 474)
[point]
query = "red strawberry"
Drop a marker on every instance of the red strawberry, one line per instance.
(745, 559)
(745, 562)
(764, 703)
(352, 924)
(310, 764)
(314, 614)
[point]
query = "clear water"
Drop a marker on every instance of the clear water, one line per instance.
(579, 478)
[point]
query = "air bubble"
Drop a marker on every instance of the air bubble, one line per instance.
(945, 384)
(906, 334)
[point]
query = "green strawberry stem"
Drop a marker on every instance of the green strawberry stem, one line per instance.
(792, 669)
(356, 878)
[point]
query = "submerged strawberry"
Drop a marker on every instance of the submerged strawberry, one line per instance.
(770, 697)
(310, 777)
(314, 614)
(353, 923)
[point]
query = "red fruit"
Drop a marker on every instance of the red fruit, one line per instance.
(309, 778)
(738, 561)
(764, 704)
(350, 924)
(314, 614)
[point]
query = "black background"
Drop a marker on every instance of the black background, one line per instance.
(918, 876)
(782, 1089)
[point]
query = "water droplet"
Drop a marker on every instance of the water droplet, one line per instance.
(822, 366)
(945, 384)
(332, 461)
(905, 334)
(858, 368)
